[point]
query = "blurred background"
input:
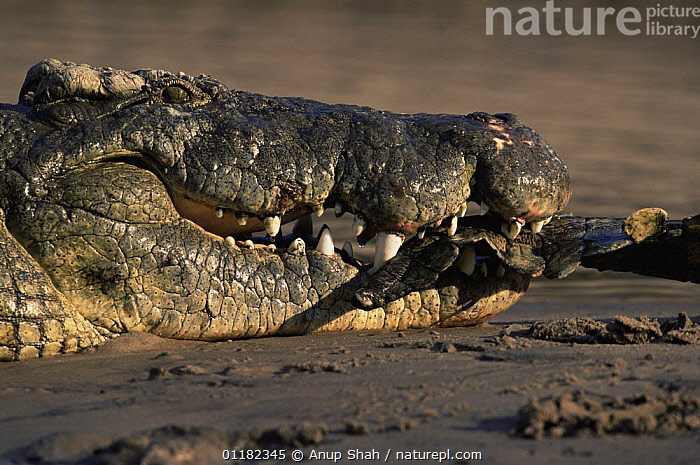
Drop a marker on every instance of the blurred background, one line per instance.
(622, 111)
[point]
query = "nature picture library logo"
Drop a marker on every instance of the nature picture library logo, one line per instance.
(658, 20)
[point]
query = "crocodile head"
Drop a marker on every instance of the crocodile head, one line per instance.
(138, 193)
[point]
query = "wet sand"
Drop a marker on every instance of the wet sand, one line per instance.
(621, 111)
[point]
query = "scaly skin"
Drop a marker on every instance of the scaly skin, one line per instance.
(107, 179)
(644, 243)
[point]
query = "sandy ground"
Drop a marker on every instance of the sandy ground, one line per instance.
(622, 111)
(423, 390)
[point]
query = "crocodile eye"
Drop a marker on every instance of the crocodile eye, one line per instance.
(175, 94)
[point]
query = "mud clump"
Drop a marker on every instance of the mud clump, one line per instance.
(622, 330)
(313, 367)
(581, 414)
(682, 330)
(181, 445)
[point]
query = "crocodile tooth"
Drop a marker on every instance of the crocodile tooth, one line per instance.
(484, 269)
(501, 271)
(467, 262)
(242, 218)
(472, 181)
(358, 225)
(271, 247)
(452, 228)
(547, 220)
(219, 212)
(421, 233)
(318, 210)
(462, 210)
(347, 247)
(325, 241)
(297, 247)
(483, 209)
(536, 226)
(387, 246)
(511, 228)
(231, 241)
(249, 244)
(339, 210)
(304, 226)
(272, 225)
